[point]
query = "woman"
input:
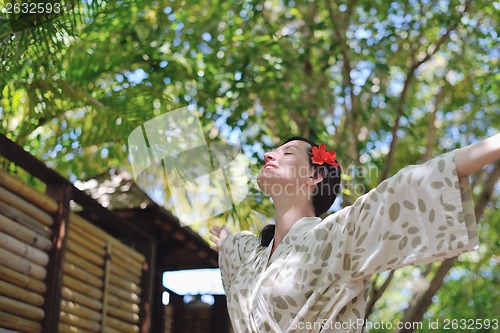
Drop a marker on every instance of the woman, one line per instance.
(313, 275)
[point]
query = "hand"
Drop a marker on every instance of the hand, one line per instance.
(219, 234)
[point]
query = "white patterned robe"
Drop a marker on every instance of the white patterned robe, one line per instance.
(317, 279)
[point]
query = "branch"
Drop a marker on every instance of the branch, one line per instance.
(416, 44)
(350, 9)
(487, 192)
(307, 32)
(431, 134)
(395, 128)
(418, 306)
(377, 293)
(409, 77)
(340, 33)
(443, 38)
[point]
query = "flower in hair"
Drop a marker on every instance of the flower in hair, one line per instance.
(320, 156)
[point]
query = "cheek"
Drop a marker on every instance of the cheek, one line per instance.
(301, 170)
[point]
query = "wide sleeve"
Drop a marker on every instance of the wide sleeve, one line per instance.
(422, 214)
(235, 251)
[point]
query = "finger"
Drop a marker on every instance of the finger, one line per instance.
(214, 232)
(215, 240)
(217, 228)
(213, 247)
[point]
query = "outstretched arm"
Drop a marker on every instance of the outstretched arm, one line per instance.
(473, 157)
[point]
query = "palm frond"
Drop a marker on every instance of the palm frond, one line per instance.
(43, 35)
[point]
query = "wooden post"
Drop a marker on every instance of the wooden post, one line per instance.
(150, 288)
(177, 302)
(220, 316)
(61, 192)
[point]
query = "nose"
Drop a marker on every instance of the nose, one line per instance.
(269, 156)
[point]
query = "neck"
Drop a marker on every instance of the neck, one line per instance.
(287, 213)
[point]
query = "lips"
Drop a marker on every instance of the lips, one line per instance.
(269, 165)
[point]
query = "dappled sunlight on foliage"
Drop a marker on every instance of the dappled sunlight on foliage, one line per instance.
(384, 83)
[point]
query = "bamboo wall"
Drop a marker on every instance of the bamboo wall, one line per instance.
(101, 276)
(25, 241)
(101, 282)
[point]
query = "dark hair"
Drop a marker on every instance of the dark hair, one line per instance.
(324, 196)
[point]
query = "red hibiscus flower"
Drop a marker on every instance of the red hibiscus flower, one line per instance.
(320, 156)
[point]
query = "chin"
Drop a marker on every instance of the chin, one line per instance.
(267, 182)
(272, 185)
(264, 184)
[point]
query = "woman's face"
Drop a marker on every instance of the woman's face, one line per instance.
(286, 170)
